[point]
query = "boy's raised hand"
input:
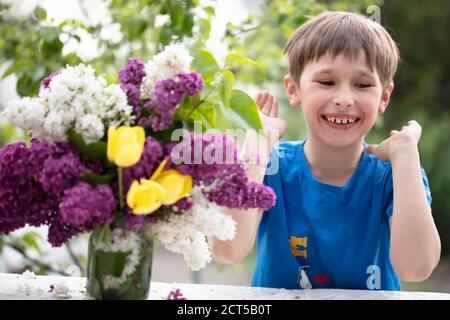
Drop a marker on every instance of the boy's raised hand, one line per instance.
(268, 112)
(400, 142)
(258, 146)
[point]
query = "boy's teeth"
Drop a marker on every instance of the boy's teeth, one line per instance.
(340, 120)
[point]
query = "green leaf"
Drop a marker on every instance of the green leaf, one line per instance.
(186, 107)
(50, 34)
(52, 50)
(236, 59)
(38, 73)
(100, 234)
(71, 59)
(95, 179)
(31, 238)
(242, 114)
(227, 87)
(165, 35)
(135, 27)
(177, 16)
(27, 87)
(205, 114)
(205, 63)
(40, 13)
(96, 150)
(188, 23)
(210, 11)
(19, 65)
(110, 79)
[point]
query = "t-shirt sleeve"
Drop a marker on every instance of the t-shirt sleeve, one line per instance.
(389, 191)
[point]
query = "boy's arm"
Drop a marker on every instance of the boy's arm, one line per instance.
(255, 146)
(247, 222)
(415, 244)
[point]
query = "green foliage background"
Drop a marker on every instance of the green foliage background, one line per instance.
(34, 48)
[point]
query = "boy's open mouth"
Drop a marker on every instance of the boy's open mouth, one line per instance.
(341, 122)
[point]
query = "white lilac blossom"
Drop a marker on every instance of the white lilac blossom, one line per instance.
(122, 241)
(186, 233)
(166, 64)
(72, 98)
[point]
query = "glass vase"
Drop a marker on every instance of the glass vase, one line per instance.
(119, 263)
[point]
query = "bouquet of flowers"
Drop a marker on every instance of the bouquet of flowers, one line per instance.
(122, 161)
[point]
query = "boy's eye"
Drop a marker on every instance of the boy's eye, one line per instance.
(326, 82)
(363, 85)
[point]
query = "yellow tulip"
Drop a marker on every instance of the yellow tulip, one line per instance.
(145, 197)
(165, 187)
(177, 185)
(125, 145)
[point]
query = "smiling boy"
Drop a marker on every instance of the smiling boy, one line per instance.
(347, 215)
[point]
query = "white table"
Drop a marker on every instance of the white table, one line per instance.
(29, 286)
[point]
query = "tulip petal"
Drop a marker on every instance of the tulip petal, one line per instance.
(144, 210)
(173, 183)
(112, 144)
(128, 155)
(159, 190)
(140, 135)
(187, 186)
(159, 169)
(132, 193)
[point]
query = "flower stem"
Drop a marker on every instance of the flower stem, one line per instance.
(120, 187)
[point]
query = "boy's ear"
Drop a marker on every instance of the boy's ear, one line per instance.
(291, 90)
(385, 96)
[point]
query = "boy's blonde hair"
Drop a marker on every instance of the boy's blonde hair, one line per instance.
(342, 32)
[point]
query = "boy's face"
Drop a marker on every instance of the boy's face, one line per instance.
(340, 97)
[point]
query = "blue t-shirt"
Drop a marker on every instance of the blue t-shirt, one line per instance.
(323, 236)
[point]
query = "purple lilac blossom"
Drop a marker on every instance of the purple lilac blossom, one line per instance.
(235, 190)
(150, 159)
(48, 79)
(176, 295)
(167, 94)
(184, 204)
(161, 121)
(84, 206)
(32, 183)
(192, 83)
(60, 174)
(22, 199)
(209, 158)
(60, 232)
(204, 156)
(130, 77)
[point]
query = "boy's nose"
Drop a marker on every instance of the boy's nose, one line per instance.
(343, 102)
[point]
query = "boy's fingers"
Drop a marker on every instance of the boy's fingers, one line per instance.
(257, 98)
(267, 105)
(274, 110)
(263, 97)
